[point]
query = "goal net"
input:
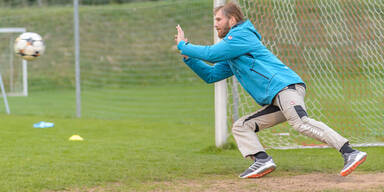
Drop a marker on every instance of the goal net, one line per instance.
(337, 48)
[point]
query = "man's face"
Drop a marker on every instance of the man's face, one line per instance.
(221, 24)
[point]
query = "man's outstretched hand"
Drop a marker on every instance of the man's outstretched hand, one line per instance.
(180, 37)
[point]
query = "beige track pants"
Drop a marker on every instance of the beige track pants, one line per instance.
(288, 105)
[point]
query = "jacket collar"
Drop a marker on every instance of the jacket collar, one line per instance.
(237, 24)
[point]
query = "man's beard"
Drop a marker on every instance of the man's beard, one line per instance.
(223, 32)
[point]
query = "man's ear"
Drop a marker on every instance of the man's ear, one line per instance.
(232, 21)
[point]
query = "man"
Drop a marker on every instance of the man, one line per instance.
(271, 84)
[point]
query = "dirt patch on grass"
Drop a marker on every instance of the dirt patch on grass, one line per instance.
(307, 182)
(364, 182)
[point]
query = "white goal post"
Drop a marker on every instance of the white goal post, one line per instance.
(221, 132)
(12, 92)
(336, 47)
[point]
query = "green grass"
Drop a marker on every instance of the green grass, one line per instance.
(168, 138)
(134, 153)
(49, 103)
(183, 102)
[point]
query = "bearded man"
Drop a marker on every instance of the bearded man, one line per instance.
(272, 84)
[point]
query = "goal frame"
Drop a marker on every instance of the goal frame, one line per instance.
(24, 62)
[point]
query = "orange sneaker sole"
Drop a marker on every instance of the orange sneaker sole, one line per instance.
(349, 171)
(262, 174)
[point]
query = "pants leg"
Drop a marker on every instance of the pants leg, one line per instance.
(291, 104)
(244, 130)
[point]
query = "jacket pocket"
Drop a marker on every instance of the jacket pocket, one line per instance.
(259, 73)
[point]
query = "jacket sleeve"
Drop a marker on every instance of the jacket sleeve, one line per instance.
(208, 73)
(230, 47)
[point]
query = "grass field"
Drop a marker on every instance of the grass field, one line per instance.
(135, 153)
(167, 139)
(170, 140)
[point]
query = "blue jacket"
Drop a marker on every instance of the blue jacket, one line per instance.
(241, 53)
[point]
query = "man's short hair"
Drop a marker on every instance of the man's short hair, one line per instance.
(231, 9)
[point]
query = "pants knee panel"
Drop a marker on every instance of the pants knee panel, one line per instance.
(308, 127)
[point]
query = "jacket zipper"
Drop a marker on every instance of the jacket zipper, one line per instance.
(259, 73)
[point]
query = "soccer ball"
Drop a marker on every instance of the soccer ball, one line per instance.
(29, 46)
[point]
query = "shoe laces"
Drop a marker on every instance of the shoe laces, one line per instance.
(257, 164)
(348, 156)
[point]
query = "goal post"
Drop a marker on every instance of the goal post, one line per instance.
(4, 95)
(15, 87)
(221, 132)
(336, 47)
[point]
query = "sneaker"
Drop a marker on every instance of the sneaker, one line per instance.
(259, 168)
(352, 160)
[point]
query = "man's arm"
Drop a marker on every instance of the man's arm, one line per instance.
(234, 45)
(208, 73)
(224, 50)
